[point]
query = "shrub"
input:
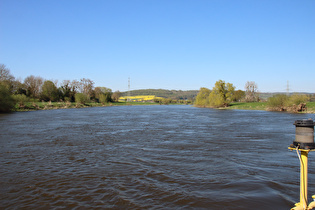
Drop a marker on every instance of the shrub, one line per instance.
(21, 99)
(277, 103)
(298, 99)
(104, 98)
(67, 99)
(81, 98)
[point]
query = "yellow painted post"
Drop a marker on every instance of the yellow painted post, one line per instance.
(304, 142)
(303, 204)
(303, 178)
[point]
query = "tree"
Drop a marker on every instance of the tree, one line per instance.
(19, 88)
(116, 95)
(202, 99)
(222, 94)
(33, 86)
(65, 90)
(86, 86)
(6, 100)
(49, 91)
(239, 95)
(6, 89)
(6, 78)
(251, 91)
(103, 94)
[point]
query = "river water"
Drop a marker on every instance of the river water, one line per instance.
(149, 157)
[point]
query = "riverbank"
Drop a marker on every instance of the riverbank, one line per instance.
(310, 106)
(33, 106)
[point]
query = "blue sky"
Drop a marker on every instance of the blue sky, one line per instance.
(169, 44)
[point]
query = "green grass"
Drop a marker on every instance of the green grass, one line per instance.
(29, 106)
(310, 107)
(263, 106)
(248, 106)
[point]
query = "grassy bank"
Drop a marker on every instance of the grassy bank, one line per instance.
(32, 106)
(310, 107)
(248, 106)
(263, 106)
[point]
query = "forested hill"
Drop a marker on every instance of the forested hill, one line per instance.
(174, 94)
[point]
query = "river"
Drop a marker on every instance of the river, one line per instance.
(149, 157)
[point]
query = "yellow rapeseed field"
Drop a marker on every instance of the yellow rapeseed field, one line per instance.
(139, 98)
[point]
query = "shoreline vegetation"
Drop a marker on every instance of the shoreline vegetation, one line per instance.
(36, 93)
(33, 106)
(263, 106)
(224, 96)
(310, 106)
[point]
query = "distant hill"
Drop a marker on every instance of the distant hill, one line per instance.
(174, 94)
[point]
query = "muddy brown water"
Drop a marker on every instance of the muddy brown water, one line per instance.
(149, 157)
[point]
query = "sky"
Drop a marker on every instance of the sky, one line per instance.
(167, 44)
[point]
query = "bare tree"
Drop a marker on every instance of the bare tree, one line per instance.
(86, 86)
(7, 79)
(33, 85)
(5, 74)
(251, 91)
(75, 86)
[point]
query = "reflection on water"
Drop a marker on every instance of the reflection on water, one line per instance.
(149, 157)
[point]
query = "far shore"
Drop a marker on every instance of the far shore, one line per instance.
(33, 106)
(263, 106)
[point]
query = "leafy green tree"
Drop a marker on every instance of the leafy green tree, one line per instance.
(222, 94)
(6, 100)
(238, 95)
(49, 91)
(202, 99)
(6, 89)
(103, 94)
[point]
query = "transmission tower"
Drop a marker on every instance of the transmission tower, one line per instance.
(128, 89)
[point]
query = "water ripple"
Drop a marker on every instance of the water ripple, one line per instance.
(148, 157)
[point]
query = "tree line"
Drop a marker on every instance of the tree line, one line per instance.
(35, 88)
(222, 94)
